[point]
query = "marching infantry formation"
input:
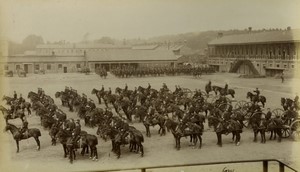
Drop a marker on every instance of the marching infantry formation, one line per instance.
(182, 111)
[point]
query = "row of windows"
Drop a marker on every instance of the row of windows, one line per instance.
(253, 50)
(264, 65)
(37, 66)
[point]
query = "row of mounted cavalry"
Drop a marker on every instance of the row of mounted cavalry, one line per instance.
(182, 111)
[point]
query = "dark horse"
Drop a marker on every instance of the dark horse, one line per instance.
(232, 126)
(195, 132)
(69, 146)
(254, 98)
(286, 103)
(18, 136)
(9, 115)
(259, 125)
(159, 120)
(90, 141)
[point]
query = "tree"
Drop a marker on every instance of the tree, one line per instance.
(31, 41)
(105, 40)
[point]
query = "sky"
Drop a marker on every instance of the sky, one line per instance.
(71, 20)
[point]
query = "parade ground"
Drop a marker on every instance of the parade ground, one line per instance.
(159, 150)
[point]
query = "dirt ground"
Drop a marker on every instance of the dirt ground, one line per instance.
(159, 150)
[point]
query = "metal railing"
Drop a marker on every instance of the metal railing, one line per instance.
(265, 164)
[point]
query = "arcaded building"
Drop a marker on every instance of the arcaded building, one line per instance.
(261, 53)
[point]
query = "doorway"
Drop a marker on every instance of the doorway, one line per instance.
(65, 70)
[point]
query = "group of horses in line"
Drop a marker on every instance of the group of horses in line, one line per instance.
(168, 114)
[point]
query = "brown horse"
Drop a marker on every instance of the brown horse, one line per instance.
(18, 136)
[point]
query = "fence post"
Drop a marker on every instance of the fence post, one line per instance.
(281, 167)
(265, 166)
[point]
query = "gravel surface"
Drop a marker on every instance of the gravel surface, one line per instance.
(159, 150)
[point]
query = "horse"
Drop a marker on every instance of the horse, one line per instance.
(63, 97)
(90, 141)
(259, 126)
(286, 103)
(9, 100)
(27, 106)
(18, 136)
(233, 127)
(195, 131)
(99, 93)
(129, 137)
(216, 89)
(9, 115)
(254, 98)
(159, 120)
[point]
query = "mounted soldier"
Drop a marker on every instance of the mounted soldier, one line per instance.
(15, 96)
(24, 129)
(257, 92)
(76, 133)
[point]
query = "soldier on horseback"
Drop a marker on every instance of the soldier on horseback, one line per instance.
(126, 87)
(257, 92)
(15, 95)
(76, 132)
(24, 129)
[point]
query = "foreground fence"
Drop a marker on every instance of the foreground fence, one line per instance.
(265, 165)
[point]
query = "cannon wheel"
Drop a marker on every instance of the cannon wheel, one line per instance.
(295, 129)
(286, 131)
(276, 112)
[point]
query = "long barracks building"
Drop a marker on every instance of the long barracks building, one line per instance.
(264, 53)
(65, 58)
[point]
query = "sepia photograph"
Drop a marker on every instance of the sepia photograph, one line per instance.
(150, 85)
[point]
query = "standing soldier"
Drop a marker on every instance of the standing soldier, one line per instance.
(282, 77)
(84, 99)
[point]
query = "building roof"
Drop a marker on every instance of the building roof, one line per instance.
(109, 55)
(261, 37)
(80, 46)
(131, 55)
(145, 47)
(42, 59)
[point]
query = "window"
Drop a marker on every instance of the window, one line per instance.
(277, 65)
(17, 67)
(6, 67)
(270, 65)
(285, 66)
(78, 65)
(257, 64)
(264, 65)
(48, 66)
(37, 67)
(59, 66)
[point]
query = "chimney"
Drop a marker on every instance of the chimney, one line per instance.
(220, 34)
(288, 28)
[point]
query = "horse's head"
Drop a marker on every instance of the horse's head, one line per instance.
(282, 100)
(94, 91)
(249, 95)
(57, 94)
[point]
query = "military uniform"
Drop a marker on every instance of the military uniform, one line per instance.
(24, 129)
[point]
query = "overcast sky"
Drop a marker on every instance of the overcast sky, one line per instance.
(71, 19)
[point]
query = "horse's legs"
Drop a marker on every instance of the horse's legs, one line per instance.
(65, 150)
(29, 111)
(238, 138)
(200, 141)
(141, 149)
(38, 143)
(255, 135)
(219, 137)
(17, 142)
(70, 154)
(233, 136)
